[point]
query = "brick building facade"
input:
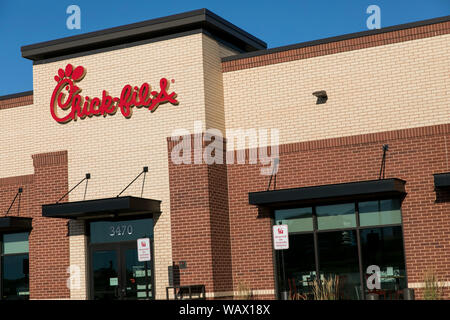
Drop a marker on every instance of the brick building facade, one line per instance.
(213, 222)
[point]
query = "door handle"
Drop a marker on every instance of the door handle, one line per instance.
(120, 292)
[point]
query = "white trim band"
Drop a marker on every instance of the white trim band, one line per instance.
(236, 294)
(416, 285)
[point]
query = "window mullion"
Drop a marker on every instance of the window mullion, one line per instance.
(316, 244)
(1, 267)
(358, 239)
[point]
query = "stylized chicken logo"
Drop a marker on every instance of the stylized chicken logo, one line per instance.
(77, 106)
(69, 76)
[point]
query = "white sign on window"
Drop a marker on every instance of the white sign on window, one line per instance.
(143, 247)
(280, 237)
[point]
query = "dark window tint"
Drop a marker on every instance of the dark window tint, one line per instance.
(117, 231)
(383, 247)
(338, 254)
(379, 212)
(105, 271)
(14, 266)
(336, 216)
(299, 264)
(15, 277)
(298, 219)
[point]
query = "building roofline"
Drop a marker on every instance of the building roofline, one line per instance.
(187, 21)
(337, 38)
(16, 95)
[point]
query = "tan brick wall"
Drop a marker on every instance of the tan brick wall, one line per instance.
(382, 88)
(78, 251)
(212, 68)
(114, 149)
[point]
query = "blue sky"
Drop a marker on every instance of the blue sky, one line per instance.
(277, 22)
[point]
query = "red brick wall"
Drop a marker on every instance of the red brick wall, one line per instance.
(201, 228)
(16, 102)
(49, 243)
(414, 155)
(250, 230)
(220, 227)
(200, 222)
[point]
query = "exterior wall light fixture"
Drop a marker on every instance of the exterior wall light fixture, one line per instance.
(321, 96)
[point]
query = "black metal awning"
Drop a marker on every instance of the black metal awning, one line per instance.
(442, 180)
(333, 192)
(15, 224)
(118, 206)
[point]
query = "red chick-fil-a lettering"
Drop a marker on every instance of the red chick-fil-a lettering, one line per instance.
(67, 104)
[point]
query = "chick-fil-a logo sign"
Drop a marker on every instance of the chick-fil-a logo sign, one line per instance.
(74, 106)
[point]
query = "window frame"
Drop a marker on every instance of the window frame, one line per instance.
(118, 245)
(357, 228)
(2, 255)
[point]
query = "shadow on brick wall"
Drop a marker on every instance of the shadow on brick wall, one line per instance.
(264, 213)
(442, 195)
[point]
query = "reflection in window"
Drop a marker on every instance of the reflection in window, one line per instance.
(117, 231)
(138, 276)
(338, 253)
(15, 243)
(336, 216)
(298, 220)
(105, 274)
(15, 266)
(384, 247)
(299, 266)
(336, 250)
(379, 212)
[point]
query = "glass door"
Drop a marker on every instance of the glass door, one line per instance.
(118, 274)
(105, 273)
(136, 275)
(115, 270)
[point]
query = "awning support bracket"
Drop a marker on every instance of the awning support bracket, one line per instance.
(276, 162)
(87, 177)
(144, 171)
(383, 161)
(18, 194)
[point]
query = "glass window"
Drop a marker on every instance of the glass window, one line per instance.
(298, 220)
(15, 280)
(15, 266)
(338, 254)
(15, 243)
(299, 264)
(383, 247)
(106, 274)
(336, 251)
(336, 216)
(138, 277)
(379, 212)
(116, 231)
